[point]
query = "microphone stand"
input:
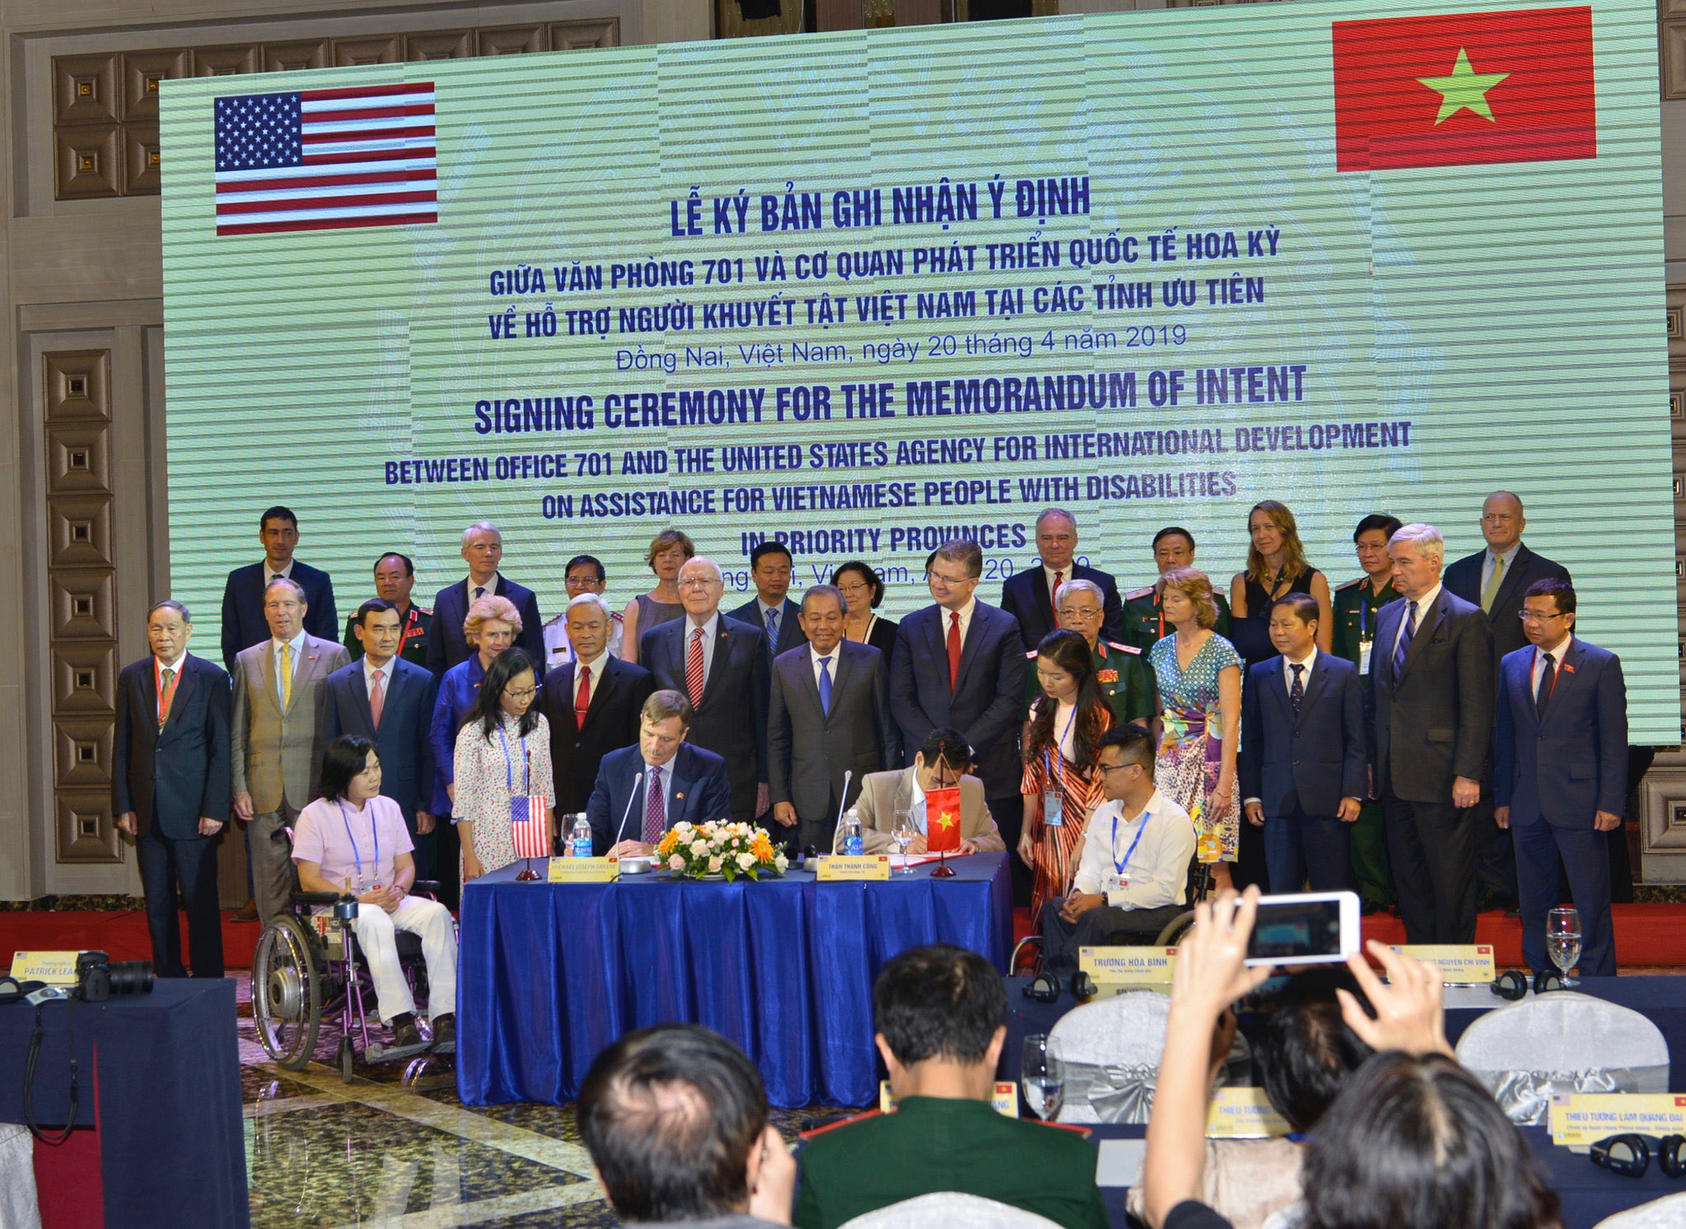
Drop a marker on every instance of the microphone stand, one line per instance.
(528, 874)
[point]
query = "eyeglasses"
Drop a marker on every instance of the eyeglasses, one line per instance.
(937, 578)
(526, 693)
(1069, 612)
(858, 587)
(1106, 768)
(698, 582)
(1534, 616)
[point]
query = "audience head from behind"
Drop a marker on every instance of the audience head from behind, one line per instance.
(940, 1019)
(675, 1120)
(1419, 1143)
(1305, 1052)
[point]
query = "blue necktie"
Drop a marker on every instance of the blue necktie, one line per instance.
(825, 685)
(1405, 637)
(772, 632)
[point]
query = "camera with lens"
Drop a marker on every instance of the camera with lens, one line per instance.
(97, 978)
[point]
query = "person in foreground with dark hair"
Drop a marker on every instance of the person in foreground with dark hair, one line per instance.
(352, 839)
(1412, 1140)
(675, 1119)
(941, 1016)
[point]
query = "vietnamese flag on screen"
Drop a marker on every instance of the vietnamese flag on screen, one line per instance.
(1460, 89)
(942, 820)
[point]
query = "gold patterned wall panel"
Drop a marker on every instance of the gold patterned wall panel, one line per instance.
(81, 599)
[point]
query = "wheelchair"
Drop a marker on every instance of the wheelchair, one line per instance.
(308, 964)
(1198, 887)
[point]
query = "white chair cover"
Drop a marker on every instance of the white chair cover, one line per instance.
(1110, 1050)
(1562, 1042)
(18, 1207)
(947, 1208)
(1669, 1212)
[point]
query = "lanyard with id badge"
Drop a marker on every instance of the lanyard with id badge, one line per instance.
(1363, 628)
(1053, 762)
(356, 857)
(1122, 879)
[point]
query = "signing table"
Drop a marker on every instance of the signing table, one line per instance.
(552, 973)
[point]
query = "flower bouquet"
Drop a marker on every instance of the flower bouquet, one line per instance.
(719, 847)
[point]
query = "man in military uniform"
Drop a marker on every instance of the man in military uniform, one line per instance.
(1125, 678)
(395, 577)
(1356, 603)
(1173, 547)
(583, 574)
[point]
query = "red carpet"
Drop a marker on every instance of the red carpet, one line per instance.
(1648, 935)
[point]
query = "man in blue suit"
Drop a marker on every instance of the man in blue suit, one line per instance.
(960, 664)
(171, 787)
(1560, 771)
(243, 623)
(1304, 754)
(1030, 596)
(643, 791)
(779, 618)
(482, 550)
(389, 701)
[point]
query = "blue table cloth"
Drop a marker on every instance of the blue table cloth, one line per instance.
(552, 973)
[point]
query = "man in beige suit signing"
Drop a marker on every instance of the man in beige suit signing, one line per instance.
(939, 763)
(274, 735)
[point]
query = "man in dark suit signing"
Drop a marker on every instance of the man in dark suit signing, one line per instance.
(770, 567)
(389, 701)
(1432, 676)
(1495, 579)
(1560, 771)
(1032, 597)
(960, 664)
(1304, 753)
(591, 703)
(720, 666)
(170, 787)
(243, 623)
(482, 550)
(644, 790)
(828, 716)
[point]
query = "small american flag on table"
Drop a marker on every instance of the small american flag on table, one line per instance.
(527, 827)
(326, 159)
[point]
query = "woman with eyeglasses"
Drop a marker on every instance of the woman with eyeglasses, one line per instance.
(863, 589)
(502, 753)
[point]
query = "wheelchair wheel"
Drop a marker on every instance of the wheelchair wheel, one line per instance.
(286, 993)
(1175, 930)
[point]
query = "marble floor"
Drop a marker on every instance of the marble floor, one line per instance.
(395, 1147)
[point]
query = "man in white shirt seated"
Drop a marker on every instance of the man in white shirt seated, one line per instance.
(1133, 878)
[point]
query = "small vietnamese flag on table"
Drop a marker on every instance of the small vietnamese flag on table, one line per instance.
(942, 820)
(1460, 89)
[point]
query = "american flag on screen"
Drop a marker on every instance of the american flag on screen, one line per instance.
(326, 159)
(526, 816)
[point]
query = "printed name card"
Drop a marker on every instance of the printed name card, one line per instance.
(1243, 1113)
(1581, 1119)
(54, 968)
(1127, 966)
(583, 870)
(837, 867)
(1460, 964)
(1004, 1100)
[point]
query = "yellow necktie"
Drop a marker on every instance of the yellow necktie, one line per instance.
(286, 676)
(1492, 589)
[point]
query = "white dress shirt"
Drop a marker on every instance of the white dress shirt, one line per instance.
(1158, 870)
(1557, 651)
(596, 667)
(1423, 603)
(1508, 556)
(711, 631)
(966, 612)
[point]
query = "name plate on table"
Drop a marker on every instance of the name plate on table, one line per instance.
(54, 968)
(583, 870)
(1243, 1113)
(1127, 966)
(1004, 1099)
(1460, 964)
(837, 867)
(1581, 1119)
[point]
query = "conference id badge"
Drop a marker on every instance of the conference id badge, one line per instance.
(1053, 809)
(1121, 881)
(1364, 656)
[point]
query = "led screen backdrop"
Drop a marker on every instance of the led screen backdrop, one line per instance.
(873, 290)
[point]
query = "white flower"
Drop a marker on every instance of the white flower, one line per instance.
(714, 864)
(746, 860)
(675, 863)
(699, 848)
(781, 862)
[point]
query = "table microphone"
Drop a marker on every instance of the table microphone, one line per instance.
(848, 774)
(635, 783)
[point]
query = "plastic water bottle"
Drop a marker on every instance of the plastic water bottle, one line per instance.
(579, 839)
(853, 846)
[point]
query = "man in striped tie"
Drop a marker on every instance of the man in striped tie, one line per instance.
(1432, 675)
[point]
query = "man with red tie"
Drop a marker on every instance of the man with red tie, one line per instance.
(960, 664)
(1032, 596)
(591, 702)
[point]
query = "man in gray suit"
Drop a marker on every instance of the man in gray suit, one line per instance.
(1432, 674)
(275, 744)
(940, 762)
(827, 716)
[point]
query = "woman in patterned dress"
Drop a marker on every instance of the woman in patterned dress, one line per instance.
(1060, 744)
(503, 750)
(1199, 674)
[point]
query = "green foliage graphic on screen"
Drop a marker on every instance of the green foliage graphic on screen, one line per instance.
(866, 292)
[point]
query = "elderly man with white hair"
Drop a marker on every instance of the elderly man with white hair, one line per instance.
(591, 702)
(720, 665)
(1431, 669)
(482, 550)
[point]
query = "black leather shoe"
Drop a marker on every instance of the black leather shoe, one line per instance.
(445, 1035)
